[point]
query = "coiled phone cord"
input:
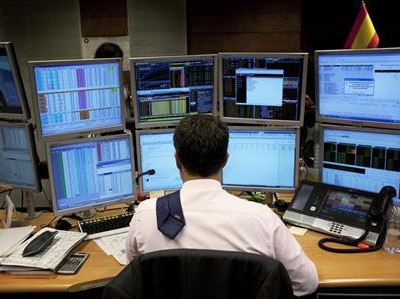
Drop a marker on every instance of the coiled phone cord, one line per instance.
(358, 243)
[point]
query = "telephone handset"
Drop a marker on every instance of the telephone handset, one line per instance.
(380, 205)
(376, 218)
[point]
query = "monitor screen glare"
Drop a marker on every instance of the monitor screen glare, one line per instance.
(19, 165)
(91, 172)
(266, 88)
(155, 150)
(165, 89)
(13, 102)
(360, 158)
(261, 159)
(78, 97)
(358, 87)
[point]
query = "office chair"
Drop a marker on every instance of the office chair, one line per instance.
(198, 273)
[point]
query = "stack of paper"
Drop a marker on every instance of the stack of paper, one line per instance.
(49, 259)
(10, 238)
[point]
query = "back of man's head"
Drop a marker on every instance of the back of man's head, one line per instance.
(108, 50)
(201, 143)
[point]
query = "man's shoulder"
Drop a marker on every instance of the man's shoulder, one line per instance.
(148, 204)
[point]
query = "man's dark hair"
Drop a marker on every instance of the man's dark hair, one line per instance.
(108, 50)
(201, 142)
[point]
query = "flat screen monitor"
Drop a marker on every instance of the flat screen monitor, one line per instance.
(358, 87)
(262, 159)
(360, 158)
(262, 88)
(13, 102)
(155, 150)
(18, 158)
(91, 172)
(166, 89)
(74, 98)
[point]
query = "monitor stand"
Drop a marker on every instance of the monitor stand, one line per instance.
(30, 205)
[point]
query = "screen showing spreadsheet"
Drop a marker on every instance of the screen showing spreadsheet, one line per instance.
(262, 159)
(77, 97)
(86, 173)
(262, 88)
(18, 158)
(155, 150)
(361, 158)
(358, 87)
(167, 88)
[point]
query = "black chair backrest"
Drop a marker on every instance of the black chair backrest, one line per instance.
(198, 273)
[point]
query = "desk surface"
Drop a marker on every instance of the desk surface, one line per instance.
(373, 269)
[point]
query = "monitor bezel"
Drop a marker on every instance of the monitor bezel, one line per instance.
(25, 114)
(323, 127)
(176, 58)
(139, 133)
(268, 188)
(347, 121)
(28, 127)
(76, 133)
(267, 122)
(83, 208)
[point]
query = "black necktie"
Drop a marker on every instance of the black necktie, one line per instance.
(170, 220)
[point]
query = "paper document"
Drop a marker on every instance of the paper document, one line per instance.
(51, 257)
(10, 238)
(114, 245)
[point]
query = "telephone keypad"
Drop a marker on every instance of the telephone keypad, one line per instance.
(336, 228)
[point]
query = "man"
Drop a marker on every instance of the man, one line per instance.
(215, 219)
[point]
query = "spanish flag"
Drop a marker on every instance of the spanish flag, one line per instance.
(362, 34)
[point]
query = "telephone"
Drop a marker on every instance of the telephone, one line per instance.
(354, 217)
(378, 209)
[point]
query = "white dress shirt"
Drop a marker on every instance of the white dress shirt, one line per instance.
(216, 219)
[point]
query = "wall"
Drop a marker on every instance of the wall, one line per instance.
(243, 26)
(157, 27)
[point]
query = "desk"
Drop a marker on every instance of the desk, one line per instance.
(372, 269)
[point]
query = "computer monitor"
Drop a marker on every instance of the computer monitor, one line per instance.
(90, 172)
(155, 150)
(13, 102)
(358, 87)
(262, 88)
(167, 88)
(18, 158)
(360, 158)
(74, 98)
(262, 159)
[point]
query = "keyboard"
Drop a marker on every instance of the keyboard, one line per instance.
(105, 226)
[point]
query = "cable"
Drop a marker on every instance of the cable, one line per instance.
(358, 243)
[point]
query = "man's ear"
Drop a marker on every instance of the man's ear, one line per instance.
(226, 160)
(177, 161)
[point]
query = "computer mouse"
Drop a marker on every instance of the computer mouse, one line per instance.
(63, 224)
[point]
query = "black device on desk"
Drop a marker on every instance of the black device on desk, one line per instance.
(104, 226)
(39, 243)
(349, 214)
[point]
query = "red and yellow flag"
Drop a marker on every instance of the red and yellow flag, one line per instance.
(362, 34)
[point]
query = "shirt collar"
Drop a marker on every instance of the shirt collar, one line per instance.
(201, 184)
